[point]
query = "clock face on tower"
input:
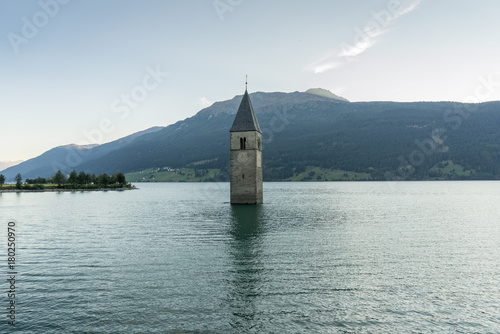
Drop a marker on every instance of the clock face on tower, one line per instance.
(242, 157)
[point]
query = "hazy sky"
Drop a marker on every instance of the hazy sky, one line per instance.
(74, 71)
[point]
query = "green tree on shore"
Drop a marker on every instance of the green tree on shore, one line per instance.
(73, 178)
(103, 179)
(82, 178)
(89, 181)
(19, 180)
(119, 178)
(38, 180)
(59, 178)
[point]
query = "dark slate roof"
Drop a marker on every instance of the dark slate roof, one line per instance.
(245, 119)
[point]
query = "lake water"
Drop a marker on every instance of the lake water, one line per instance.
(365, 257)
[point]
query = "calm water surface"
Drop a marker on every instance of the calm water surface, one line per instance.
(412, 257)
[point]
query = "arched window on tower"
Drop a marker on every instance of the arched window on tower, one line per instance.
(243, 143)
(258, 144)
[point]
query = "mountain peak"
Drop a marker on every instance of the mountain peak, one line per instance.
(78, 147)
(325, 93)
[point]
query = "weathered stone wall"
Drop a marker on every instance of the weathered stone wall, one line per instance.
(246, 168)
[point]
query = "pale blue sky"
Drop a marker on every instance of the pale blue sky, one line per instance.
(83, 72)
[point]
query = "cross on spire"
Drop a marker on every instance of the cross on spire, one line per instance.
(246, 81)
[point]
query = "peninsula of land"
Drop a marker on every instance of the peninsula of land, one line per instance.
(10, 190)
(74, 182)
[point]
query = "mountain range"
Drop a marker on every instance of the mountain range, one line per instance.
(68, 157)
(316, 128)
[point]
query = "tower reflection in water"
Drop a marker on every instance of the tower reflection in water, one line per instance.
(247, 270)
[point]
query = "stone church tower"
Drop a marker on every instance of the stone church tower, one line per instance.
(246, 156)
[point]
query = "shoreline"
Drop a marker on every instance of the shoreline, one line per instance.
(62, 190)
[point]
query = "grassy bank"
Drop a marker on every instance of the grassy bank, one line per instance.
(180, 175)
(207, 175)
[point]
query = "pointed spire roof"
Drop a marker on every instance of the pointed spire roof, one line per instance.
(245, 119)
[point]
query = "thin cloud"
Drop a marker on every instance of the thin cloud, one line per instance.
(323, 63)
(410, 8)
(374, 28)
(205, 102)
(364, 39)
(325, 67)
(357, 49)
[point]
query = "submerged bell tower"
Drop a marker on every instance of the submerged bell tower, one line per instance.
(246, 155)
